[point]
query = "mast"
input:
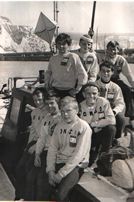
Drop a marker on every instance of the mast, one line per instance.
(91, 29)
(54, 6)
(56, 12)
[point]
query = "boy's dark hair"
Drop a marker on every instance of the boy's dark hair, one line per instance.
(113, 44)
(89, 84)
(41, 90)
(52, 97)
(64, 37)
(107, 64)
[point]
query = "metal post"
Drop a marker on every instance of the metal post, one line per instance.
(57, 12)
(54, 4)
(91, 29)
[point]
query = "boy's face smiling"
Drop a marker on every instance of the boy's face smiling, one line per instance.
(39, 100)
(62, 46)
(69, 113)
(105, 74)
(52, 106)
(85, 46)
(91, 94)
(112, 51)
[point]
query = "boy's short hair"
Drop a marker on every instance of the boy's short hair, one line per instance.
(89, 84)
(113, 44)
(107, 64)
(67, 100)
(52, 97)
(64, 37)
(87, 38)
(41, 90)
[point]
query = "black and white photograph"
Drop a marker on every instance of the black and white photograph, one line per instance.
(67, 101)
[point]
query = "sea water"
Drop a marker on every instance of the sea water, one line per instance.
(20, 69)
(24, 69)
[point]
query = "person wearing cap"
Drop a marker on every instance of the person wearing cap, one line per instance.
(121, 66)
(88, 59)
(99, 115)
(113, 93)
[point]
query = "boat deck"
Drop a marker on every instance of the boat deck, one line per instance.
(101, 188)
(7, 191)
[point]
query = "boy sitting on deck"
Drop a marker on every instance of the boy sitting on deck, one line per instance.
(68, 153)
(35, 177)
(121, 66)
(66, 74)
(97, 112)
(24, 164)
(113, 93)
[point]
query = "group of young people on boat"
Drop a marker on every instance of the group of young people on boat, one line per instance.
(78, 115)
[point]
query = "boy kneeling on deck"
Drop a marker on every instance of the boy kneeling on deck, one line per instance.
(68, 153)
(97, 112)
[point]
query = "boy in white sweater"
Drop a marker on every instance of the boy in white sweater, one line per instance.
(113, 93)
(66, 74)
(97, 112)
(88, 59)
(25, 163)
(35, 179)
(121, 66)
(68, 153)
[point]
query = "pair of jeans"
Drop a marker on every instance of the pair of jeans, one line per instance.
(61, 191)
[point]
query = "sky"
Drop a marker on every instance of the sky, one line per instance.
(74, 16)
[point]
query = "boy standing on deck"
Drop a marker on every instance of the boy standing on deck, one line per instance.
(88, 59)
(68, 153)
(66, 74)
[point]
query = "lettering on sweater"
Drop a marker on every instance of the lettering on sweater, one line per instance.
(64, 61)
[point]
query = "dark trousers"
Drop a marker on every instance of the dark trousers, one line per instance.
(35, 181)
(59, 93)
(120, 124)
(23, 167)
(101, 141)
(61, 191)
(128, 97)
(79, 96)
